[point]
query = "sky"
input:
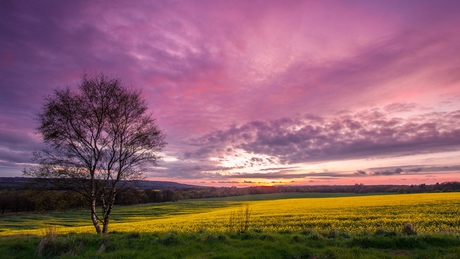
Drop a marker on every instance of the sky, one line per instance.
(252, 92)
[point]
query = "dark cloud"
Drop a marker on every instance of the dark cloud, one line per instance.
(16, 146)
(396, 171)
(361, 135)
(235, 182)
(280, 168)
(292, 175)
(360, 172)
(414, 169)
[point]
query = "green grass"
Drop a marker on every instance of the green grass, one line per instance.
(75, 218)
(250, 244)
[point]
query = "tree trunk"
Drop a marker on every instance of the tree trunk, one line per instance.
(94, 215)
(105, 222)
(111, 201)
(105, 225)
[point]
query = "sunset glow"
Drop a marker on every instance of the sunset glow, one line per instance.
(253, 93)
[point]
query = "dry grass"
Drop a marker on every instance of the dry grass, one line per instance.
(240, 219)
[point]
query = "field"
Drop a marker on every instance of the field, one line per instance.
(332, 220)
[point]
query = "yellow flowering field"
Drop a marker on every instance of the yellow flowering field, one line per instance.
(429, 213)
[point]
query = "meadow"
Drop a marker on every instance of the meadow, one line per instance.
(286, 225)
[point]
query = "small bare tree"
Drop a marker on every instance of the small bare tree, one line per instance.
(240, 219)
(98, 136)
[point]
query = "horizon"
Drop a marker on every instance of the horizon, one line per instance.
(267, 186)
(253, 93)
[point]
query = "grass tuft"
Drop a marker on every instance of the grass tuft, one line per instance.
(170, 238)
(49, 248)
(267, 237)
(134, 235)
(384, 232)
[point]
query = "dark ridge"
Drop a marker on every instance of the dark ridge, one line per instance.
(24, 183)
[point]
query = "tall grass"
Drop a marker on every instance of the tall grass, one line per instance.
(239, 219)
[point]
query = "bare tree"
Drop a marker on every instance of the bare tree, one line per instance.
(98, 136)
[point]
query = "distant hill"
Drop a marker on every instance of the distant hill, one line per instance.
(20, 182)
(12, 182)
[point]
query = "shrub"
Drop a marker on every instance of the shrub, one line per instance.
(409, 229)
(51, 245)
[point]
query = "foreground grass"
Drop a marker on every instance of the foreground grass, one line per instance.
(248, 244)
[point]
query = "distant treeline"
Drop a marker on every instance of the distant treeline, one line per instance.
(41, 200)
(29, 183)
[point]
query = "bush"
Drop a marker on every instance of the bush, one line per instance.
(51, 245)
(409, 229)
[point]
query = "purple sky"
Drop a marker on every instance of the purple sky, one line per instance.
(253, 92)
